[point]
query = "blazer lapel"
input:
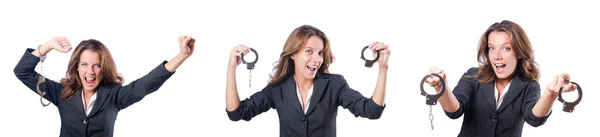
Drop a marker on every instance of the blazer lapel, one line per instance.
(319, 87)
(516, 87)
(101, 96)
(289, 90)
(77, 101)
(488, 91)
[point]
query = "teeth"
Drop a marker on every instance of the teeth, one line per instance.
(499, 65)
(312, 66)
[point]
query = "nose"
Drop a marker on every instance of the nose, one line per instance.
(90, 70)
(316, 58)
(497, 55)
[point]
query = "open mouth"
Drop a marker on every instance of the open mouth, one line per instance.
(90, 80)
(312, 68)
(500, 67)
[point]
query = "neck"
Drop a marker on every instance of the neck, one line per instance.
(503, 82)
(302, 82)
(89, 92)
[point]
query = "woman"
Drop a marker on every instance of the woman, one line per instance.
(302, 67)
(91, 95)
(503, 92)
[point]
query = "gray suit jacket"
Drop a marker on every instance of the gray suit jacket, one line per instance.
(330, 91)
(478, 104)
(110, 99)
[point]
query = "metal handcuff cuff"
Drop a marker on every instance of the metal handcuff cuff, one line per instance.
(431, 99)
(250, 66)
(368, 63)
(41, 79)
(570, 106)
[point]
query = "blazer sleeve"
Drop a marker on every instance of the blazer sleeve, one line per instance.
(356, 103)
(531, 97)
(25, 72)
(257, 103)
(462, 92)
(138, 89)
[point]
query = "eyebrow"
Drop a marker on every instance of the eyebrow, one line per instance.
(312, 48)
(500, 44)
(81, 62)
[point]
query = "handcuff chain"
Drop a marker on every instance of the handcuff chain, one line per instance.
(431, 116)
(40, 80)
(250, 79)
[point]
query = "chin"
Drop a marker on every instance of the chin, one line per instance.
(502, 76)
(88, 88)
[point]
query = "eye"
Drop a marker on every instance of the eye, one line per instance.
(97, 66)
(309, 51)
(321, 53)
(83, 64)
(506, 49)
(490, 48)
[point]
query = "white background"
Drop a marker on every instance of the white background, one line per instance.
(192, 103)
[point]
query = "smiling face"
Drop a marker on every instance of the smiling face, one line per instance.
(89, 69)
(309, 58)
(91, 65)
(501, 54)
(305, 53)
(504, 51)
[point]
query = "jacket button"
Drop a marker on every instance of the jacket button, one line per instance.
(494, 118)
(303, 119)
(85, 121)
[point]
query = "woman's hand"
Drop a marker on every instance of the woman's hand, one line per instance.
(60, 44)
(435, 81)
(236, 55)
(562, 80)
(384, 53)
(186, 44)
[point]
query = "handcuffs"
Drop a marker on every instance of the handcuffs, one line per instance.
(41, 80)
(570, 106)
(250, 66)
(431, 99)
(368, 63)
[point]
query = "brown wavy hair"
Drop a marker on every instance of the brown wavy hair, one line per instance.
(72, 83)
(526, 65)
(285, 66)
